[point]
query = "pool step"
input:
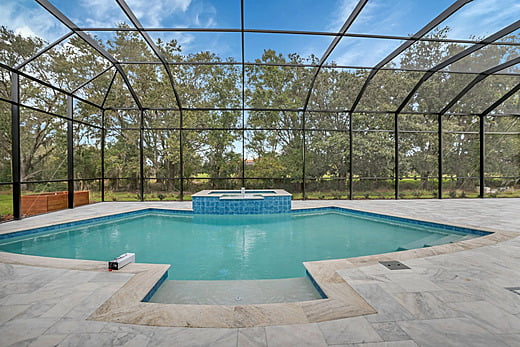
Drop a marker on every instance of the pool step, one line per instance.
(443, 240)
(430, 241)
(466, 237)
(417, 244)
(236, 292)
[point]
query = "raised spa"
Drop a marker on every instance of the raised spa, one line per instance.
(241, 201)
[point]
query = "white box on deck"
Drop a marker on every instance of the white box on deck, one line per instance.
(122, 260)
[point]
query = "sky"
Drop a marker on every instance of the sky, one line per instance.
(479, 18)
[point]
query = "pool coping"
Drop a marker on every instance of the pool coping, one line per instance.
(217, 193)
(126, 306)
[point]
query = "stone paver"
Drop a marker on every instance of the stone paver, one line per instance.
(456, 299)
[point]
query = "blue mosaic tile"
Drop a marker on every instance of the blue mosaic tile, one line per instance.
(451, 228)
(155, 287)
(268, 205)
(94, 220)
(316, 285)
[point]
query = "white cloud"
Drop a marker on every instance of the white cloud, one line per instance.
(377, 17)
(19, 16)
(483, 18)
(153, 13)
(479, 18)
(362, 52)
(337, 18)
(25, 31)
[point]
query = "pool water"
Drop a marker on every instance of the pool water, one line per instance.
(237, 247)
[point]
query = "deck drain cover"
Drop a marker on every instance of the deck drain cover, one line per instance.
(393, 265)
(515, 290)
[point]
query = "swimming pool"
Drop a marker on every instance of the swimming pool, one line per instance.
(223, 247)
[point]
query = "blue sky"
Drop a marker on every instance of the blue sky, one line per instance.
(390, 17)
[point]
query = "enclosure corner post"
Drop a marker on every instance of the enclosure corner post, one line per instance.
(351, 153)
(15, 145)
(441, 154)
(141, 156)
(70, 151)
(396, 155)
(482, 155)
(103, 134)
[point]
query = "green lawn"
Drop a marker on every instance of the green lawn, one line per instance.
(6, 204)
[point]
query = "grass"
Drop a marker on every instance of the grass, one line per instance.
(6, 204)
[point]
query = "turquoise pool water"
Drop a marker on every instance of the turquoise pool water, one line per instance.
(224, 247)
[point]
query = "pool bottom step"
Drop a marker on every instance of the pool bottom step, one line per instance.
(429, 241)
(245, 292)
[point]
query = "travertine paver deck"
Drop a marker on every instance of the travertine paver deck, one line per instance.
(451, 299)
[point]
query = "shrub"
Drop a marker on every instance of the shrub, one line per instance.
(336, 195)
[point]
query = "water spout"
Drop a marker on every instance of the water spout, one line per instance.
(243, 192)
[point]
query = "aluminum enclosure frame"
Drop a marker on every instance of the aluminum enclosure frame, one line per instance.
(350, 112)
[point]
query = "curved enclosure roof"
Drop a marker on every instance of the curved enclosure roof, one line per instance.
(307, 57)
(358, 99)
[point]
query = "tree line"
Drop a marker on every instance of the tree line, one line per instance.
(274, 140)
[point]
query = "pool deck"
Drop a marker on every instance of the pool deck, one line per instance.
(452, 295)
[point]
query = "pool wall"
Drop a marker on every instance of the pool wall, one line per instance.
(156, 286)
(232, 202)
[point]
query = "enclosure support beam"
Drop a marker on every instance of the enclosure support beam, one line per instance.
(91, 79)
(43, 83)
(488, 40)
(93, 43)
(350, 155)
(15, 145)
(502, 99)
(70, 151)
(181, 159)
(44, 50)
(141, 156)
(396, 155)
(482, 116)
(410, 41)
(149, 41)
(304, 158)
(103, 134)
(482, 119)
(480, 77)
(348, 23)
(441, 154)
(292, 32)
(243, 86)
